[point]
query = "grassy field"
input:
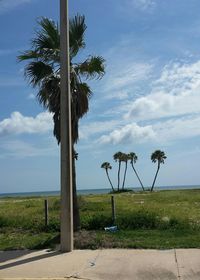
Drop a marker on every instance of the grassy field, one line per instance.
(165, 219)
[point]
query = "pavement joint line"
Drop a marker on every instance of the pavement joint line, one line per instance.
(176, 260)
(91, 264)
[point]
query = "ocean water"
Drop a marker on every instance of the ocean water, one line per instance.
(90, 191)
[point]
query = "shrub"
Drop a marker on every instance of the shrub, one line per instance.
(141, 219)
(53, 226)
(3, 222)
(173, 223)
(96, 222)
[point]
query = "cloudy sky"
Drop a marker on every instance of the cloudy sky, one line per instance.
(148, 99)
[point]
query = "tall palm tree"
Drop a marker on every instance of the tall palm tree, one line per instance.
(43, 72)
(107, 166)
(133, 158)
(118, 158)
(124, 158)
(157, 156)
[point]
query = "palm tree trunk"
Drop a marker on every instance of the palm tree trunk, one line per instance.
(138, 176)
(110, 180)
(125, 170)
(119, 175)
(155, 177)
(76, 214)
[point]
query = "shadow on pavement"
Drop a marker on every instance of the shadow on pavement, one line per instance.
(16, 254)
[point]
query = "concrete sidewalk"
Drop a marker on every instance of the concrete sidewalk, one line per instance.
(118, 264)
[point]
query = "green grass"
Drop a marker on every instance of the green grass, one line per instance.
(165, 219)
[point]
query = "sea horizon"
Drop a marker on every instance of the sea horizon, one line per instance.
(91, 191)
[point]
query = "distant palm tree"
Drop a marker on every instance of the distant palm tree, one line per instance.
(43, 72)
(124, 158)
(157, 156)
(118, 157)
(133, 158)
(107, 166)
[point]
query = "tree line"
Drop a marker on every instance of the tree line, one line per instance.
(120, 157)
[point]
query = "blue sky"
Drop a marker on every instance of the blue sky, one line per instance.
(148, 99)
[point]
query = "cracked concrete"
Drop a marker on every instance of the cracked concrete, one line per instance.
(120, 264)
(177, 265)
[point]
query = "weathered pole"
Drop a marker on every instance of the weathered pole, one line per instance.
(46, 212)
(113, 209)
(66, 238)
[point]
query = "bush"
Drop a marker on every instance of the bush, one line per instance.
(53, 226)
(3, 222)
(141, 219)
(96, 222)
(173, 223)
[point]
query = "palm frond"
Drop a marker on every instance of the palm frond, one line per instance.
(106, 165)
(37, 71)
(77, 29)
(29, 54)
(47, 37)
(85, 89)
(49, 93)
(158, 156)
(44, 66)
(93, 67)
(80, 106)
(49, 97)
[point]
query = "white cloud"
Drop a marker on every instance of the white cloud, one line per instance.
(6, 5)
(177, 76)
(176, 129)
(18, 124)
(147, 6)
(144, 4)
(127, 71)
(117, 95)
(175, 96)
(119, 77)
(129, 133)
(176, 92)
(97, 127)
(163, 132)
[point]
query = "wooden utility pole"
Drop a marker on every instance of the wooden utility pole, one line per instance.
(66, 142)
